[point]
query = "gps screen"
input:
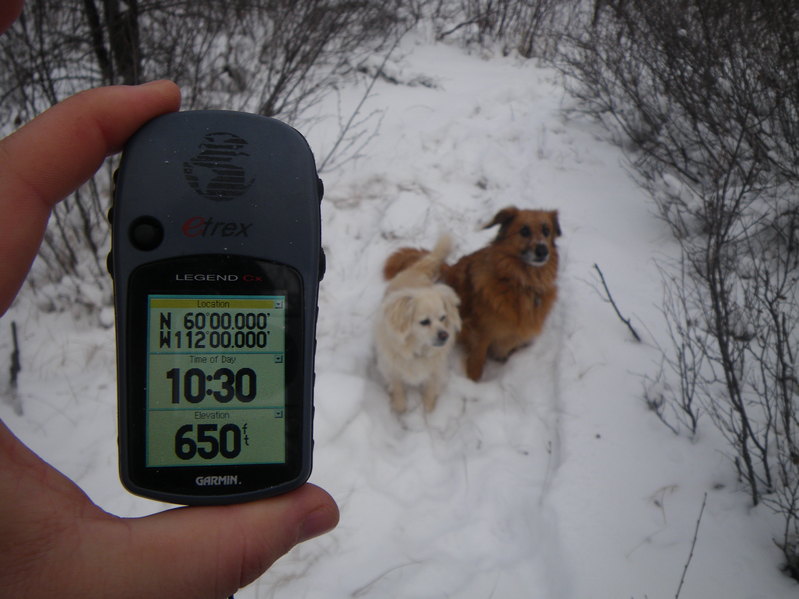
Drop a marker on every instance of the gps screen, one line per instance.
(216, 380)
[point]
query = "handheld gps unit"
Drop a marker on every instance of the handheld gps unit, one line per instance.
(216, 259)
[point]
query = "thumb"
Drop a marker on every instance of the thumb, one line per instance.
(211, 552)
(56, 152)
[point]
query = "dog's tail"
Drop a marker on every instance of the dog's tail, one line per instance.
(428, 263)
(400, 260)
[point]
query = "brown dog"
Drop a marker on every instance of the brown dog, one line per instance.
(506, 289)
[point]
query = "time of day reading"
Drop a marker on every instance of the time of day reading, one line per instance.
(216, 380)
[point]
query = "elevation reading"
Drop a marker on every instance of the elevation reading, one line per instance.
(215, 380)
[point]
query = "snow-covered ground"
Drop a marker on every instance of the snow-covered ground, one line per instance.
(548, 479)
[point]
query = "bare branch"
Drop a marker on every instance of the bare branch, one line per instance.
(615, 307)
(693, 546)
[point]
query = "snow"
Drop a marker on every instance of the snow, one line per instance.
(548, 479)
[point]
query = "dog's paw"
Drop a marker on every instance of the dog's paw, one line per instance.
(429, 402)
(399, 404)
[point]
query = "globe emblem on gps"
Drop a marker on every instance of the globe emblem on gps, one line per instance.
(219, 170)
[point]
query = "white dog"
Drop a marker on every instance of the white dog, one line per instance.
(416, 327)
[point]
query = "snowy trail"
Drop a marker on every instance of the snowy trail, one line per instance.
(453, 504)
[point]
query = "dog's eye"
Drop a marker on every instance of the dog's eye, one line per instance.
(545, 230)
(525, 231)
(443, 318)
(425, 322)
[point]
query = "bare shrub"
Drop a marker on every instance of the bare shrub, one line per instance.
(526, 27)
(706, 93)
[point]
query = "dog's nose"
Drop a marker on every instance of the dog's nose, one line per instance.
(442, 336)
(541, 251)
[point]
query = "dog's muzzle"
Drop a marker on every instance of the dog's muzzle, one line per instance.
(536, 256)
(441, 338)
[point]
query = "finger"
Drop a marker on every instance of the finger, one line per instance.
(54, 154)
(212, 552)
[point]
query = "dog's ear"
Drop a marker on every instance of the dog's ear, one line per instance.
(555, 223)
(399, 313)
(503, 218)
(448, 293)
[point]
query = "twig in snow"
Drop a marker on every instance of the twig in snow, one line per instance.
(615, 307)
(14, 370)
(15, 366)
(693, 545)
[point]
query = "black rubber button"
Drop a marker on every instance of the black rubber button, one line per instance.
(146, 233)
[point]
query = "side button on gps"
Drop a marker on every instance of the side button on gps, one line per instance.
(322, 264)
(146, 233)
(320, 189)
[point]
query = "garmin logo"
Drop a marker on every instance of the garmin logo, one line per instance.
(217, 481)
(206, 226)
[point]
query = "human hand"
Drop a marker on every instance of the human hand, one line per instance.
(53, 540)
(55, 543)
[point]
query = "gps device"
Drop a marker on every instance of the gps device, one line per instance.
(216, 259)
